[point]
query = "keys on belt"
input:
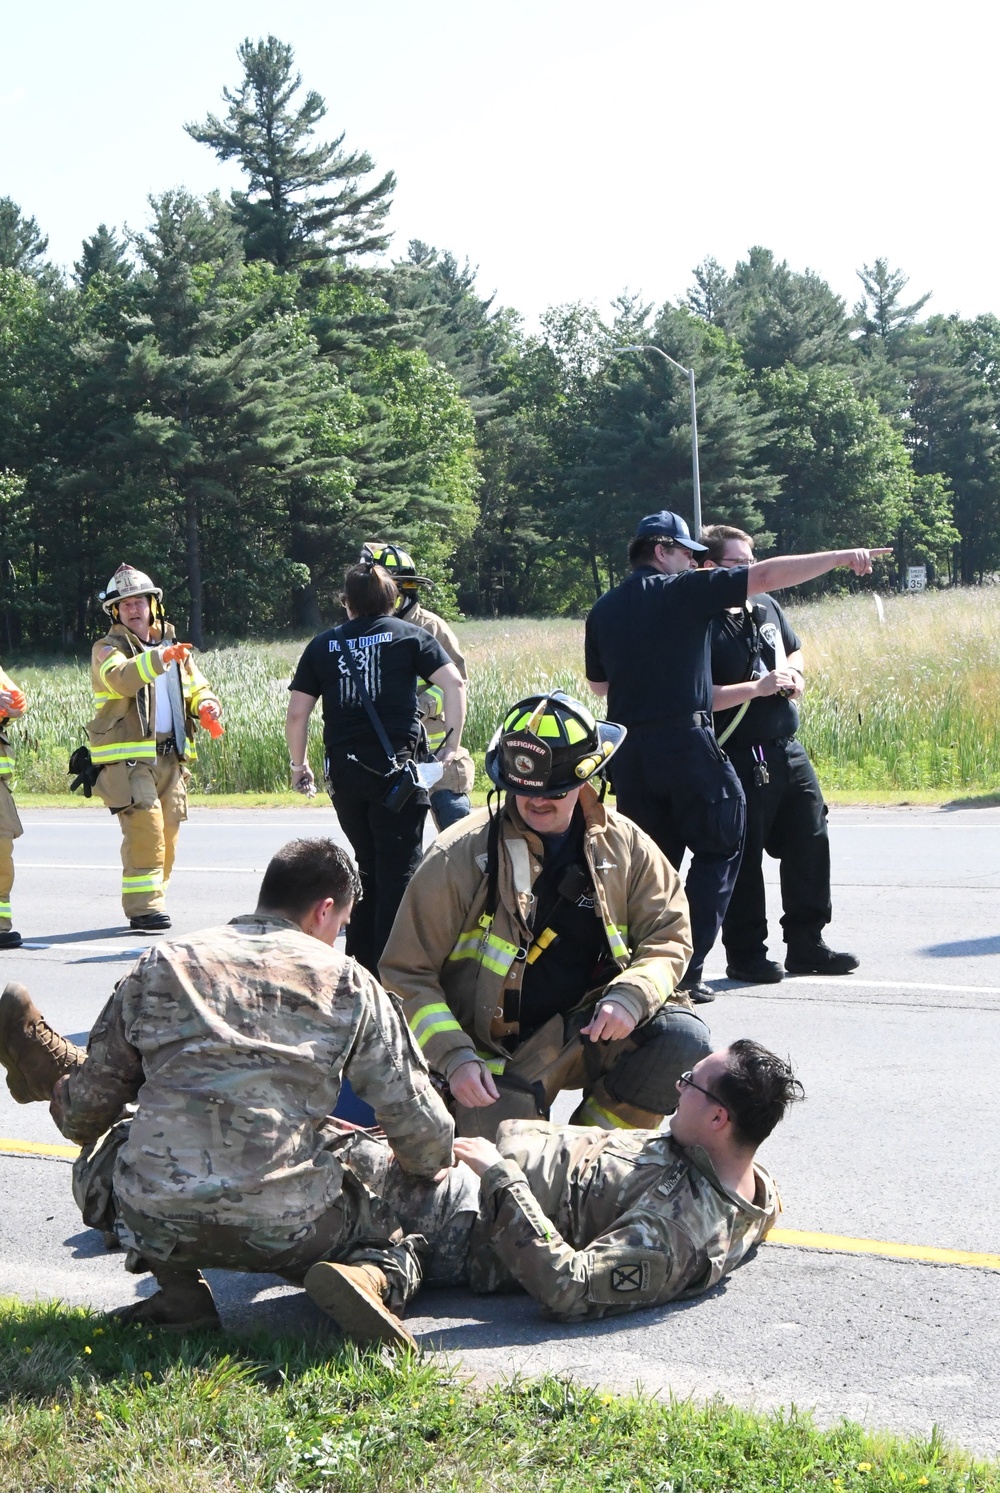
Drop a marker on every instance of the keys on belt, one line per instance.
(761, 776)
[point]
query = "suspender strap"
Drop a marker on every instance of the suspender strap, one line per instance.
(755, 644)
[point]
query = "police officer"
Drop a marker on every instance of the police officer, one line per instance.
(150, 700)
(757, 674)
(648, 649)
(450, 795)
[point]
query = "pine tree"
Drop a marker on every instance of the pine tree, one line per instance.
(305, 204)
(22, 244)
(102, 254)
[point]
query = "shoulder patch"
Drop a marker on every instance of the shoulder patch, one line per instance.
(107, 651)
(627, 1278)
(618, 1275)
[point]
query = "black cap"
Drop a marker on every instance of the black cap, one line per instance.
(669, 525)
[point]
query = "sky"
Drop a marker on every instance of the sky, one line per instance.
(570, 149)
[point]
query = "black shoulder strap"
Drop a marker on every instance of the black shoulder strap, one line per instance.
(347, 653)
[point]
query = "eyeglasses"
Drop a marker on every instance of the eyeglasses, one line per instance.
(687, 1081)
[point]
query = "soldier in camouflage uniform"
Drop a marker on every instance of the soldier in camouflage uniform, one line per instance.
(233, 1043)
(594, 1223)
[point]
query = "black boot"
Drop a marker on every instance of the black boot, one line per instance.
(816, 959)
(150, 922)
(757, 970)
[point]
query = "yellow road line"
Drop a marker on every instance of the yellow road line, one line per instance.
(843, 1243)
(38, 1148)
(795, 1238)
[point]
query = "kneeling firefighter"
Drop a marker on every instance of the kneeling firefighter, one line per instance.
(538, 947)
(450, 795)
(150, 698)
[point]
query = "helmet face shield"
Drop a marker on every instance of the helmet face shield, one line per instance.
(548, 745)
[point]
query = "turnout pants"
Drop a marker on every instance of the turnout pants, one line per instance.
(629, 1084)
(679, 786)
(787, 819)
(150, 826)
(10, 829)
(413, 1229)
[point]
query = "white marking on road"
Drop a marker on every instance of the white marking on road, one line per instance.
(108, 866)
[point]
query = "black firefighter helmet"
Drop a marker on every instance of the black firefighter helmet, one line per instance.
(549, 744)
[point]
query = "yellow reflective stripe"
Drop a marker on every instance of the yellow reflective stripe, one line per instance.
(435, 695)
(594, 1114)
(657, 973)
(493, 952)
(430, 1019)
(124, 751)
(616, 941)
(102, 696)
(4, 909)
(152, 882)
(144, 664)
(6, 764)
(435, 738)
(113, 661)
(493, 1063)
(467, 946)
(541, 943)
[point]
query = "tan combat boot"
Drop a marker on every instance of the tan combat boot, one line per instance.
(178, 1306)
(34, 1053)
(354, 1296)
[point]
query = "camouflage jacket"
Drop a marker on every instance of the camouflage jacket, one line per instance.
(597, 1222)
(233, 1043)
(450, 967)
(460, 774)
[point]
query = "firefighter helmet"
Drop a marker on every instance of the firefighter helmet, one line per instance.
(127, 581)
(549, 744)
(396, 561)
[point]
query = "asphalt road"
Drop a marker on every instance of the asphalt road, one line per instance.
(896, 1142)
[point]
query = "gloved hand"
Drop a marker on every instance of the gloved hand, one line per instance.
(209, 717)
(176, 652)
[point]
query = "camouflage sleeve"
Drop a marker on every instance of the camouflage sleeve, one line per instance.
(116, 677)
(659, 933)
(387, 1071)
(642, 1262)
(111, 1077)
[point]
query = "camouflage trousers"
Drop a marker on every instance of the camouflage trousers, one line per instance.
(416, 1231)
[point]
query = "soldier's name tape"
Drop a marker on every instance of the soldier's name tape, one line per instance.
(792, 1238)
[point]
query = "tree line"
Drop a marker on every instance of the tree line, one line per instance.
(238, 395)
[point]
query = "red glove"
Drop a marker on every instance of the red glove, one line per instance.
(176, 651)
(17, 699)
(214, 727)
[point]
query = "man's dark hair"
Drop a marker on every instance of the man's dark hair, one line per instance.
(305, 872)
(756, 1088)
(716, 537)
(369, 591)
(642, 551)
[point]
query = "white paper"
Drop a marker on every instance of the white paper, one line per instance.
(429, 773)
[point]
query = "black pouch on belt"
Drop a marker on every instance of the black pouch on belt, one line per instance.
(82, 764)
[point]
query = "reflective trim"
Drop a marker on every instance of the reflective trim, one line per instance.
(616, 941)
(435, 739)
(124, 751)
(5, 910)
(144, 664)
(429, 1020)
(494, 953)
(151, 882)
(658, 976)
(493, 1063)
(102, 696)
(6, 764)
(113, 661)
(594, 1114)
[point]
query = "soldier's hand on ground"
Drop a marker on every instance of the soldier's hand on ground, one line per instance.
(57, 1104)
(609, 1023)
(176, 652)
(860, 561)
(477, 1153)
(472, 1085)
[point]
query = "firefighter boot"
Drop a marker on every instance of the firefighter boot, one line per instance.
(34, 1053)
(354, 1296)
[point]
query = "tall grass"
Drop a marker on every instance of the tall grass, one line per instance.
(911, 702)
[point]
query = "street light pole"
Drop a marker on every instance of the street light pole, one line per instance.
(650, 347)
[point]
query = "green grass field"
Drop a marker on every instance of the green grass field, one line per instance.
(908, 705)
(90, 1405)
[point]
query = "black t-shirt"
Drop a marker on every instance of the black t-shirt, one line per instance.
(391, 657)
(733, 648)
(650, 638)
(566, 969)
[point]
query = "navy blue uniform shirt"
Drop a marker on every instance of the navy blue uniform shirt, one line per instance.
(651, 640)
(770, 718)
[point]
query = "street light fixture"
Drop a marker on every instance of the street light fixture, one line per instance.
(649, 347)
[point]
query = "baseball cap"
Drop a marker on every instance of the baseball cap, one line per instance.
(669, 526)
